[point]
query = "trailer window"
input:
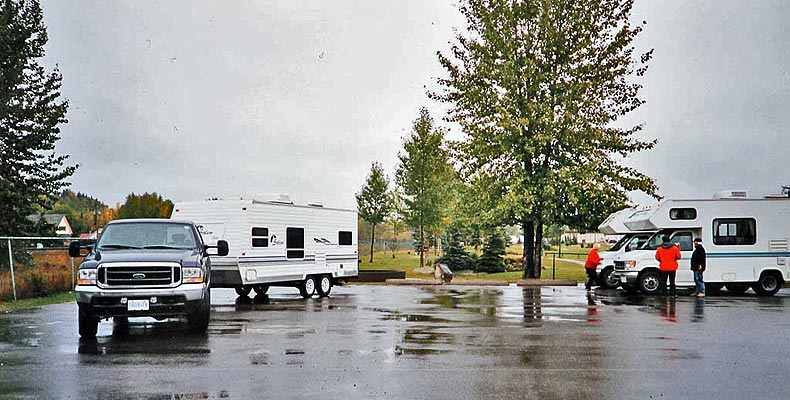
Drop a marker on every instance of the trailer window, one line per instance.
(344, 238)
(683, 213)
(260, 237)
(734, 231)
(294, 242)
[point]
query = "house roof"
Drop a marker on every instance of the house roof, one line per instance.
(52, 219)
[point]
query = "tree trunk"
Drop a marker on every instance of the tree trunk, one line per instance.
(422, 246)
(539, 249)
(372, 240)
(528, 259)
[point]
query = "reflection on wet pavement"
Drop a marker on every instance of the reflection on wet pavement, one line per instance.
(409, 342)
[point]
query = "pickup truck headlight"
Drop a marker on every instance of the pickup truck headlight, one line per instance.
(630, 264)
(193, 275)
(86, 277)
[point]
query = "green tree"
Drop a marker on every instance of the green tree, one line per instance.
(146, 205)
(492, 260)
(455, 255)
(395, 219)
(425, 177)
(538, 87)
(373, 201)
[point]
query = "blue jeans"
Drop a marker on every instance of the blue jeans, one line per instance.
(699, 282)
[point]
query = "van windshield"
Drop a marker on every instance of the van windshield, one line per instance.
(620, 243)
(630, 241)
(147, 235)
(655, 241)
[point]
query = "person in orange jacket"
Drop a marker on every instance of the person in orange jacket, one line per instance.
(593, 260)
(667, 256)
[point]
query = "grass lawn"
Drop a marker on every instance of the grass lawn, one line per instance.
(65, 297)
(410, 262)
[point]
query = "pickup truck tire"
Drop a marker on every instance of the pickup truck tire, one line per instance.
(324, 285)
(242, 290)
(88, 324)
(307, 288)
(198, 320)
(261, 289)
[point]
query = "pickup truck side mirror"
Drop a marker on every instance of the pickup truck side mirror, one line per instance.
(222, 248)
(74, 249)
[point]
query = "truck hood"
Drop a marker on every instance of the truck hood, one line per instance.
(184, 257)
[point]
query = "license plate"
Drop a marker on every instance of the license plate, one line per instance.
(137, 305)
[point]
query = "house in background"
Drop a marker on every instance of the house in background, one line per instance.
(61, 223)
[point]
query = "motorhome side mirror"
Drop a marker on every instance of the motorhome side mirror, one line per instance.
(222, 248)
(74, 249)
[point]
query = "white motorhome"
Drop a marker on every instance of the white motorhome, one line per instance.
(274, 242)
(630, 240)
(746, 241)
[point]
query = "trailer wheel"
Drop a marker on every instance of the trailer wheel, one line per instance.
(768, 284)
(307, 288)
(648, 282)
(261, 289)
(607, 278)
(736, 289)
(324, 285)
(88, 324)
(242, 291)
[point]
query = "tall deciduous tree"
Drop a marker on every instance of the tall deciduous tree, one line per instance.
(538, 88)
(146, 205)
(31, 110)
(373, 201)
(425, 176)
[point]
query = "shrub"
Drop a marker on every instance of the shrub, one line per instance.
(492, 261)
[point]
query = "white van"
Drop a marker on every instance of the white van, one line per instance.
(746, 241)
(629, 240)
(274, 242)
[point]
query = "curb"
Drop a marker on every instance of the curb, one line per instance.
(545, 282)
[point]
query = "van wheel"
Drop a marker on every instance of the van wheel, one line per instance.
(242, 290)
(324, 285)
(198, 320)
(648, 282)
(261, 289)
(307, 288)
(767, 285)
(607, 278)
(88, 324)
(736, 289)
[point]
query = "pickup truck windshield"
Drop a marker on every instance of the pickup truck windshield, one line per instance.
(147, 235)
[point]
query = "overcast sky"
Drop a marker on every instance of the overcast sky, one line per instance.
(200, 99)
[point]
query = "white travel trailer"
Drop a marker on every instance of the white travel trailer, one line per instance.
(274, 242)
(746, 241)
(630, 240)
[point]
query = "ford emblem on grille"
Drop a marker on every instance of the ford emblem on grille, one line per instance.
(138, 276)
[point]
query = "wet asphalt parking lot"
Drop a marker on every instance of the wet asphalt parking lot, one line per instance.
(415, 343)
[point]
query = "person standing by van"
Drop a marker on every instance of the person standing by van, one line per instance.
(667, 256)
(698, 267)
(593, 260)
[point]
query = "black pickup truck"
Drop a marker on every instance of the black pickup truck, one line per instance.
(145, 268)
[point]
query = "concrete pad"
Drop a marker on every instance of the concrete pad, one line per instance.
(478, 283)
(546, 282)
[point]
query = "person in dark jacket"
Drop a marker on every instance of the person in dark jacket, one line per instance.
(698, 267)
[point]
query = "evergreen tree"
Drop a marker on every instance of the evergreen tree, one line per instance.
(455, 255)
(146, 205)
(373, 201)
(31, 110)
(492, 259)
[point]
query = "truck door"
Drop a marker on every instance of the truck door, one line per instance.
(684, 240)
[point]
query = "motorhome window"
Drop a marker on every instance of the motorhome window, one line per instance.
(683, 213)
(683, 240)
(294, 242)
(344, 238)
(734, 231)
(260, 237)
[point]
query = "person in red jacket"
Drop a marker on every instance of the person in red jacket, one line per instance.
(593, 260)
(667, 256)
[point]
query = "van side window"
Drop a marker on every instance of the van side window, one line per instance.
(260, 237)
(683, 213)
(294, 242)
(734, 231)
(344, 238)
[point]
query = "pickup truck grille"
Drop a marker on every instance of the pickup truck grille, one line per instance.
(619, 265)
(143, 275)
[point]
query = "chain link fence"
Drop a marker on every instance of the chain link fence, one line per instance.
(35, 266)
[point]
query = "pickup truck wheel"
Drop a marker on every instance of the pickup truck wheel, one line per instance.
(608, 279)
(648, 282)
(261, 289)
(198, 320)
(88, 324)
(242, 290)
(767, 285)
(307, 288)
(324, 285)
(736, 289)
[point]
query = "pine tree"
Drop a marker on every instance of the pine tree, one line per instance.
(31, 110)
(492, 259)
(373, 201)
(455, 255)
